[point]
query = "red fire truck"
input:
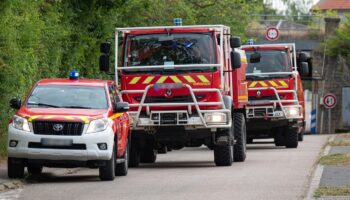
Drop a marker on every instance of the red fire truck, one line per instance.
(185, 86)
(276, 107)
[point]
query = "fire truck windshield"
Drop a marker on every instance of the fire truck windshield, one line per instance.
(169, 50)
(271, 61)
(63, 96)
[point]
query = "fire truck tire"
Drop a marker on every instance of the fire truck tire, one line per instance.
(34, 169)
(121, 169)
(249, 140)
(148, 155)
(134, 155)
(240, 147)
(223, 154)
(107, 172)
(15, 168)
(280, 139)
(291, 136)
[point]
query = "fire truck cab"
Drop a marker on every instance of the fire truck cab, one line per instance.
(276, 107)
(185, 86)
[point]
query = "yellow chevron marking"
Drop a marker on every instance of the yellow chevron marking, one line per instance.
(175, 79)
(242, 97)
(284, 84)
(203, 79)
(189, 79)
(69, 117)
(273, 83)
(162, 79)
(262, 83)
(244, 59)
(33, 117)
(148, 80)
(134, 80)
(115, 116)
(253, 84)
(85, 120)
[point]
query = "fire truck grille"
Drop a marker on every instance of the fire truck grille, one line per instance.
(175, 99)
(271, 98)
(58, 128)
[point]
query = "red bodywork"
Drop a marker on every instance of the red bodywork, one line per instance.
(120, 121)
(196, 80)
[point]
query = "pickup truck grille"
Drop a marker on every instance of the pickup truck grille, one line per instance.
(58, 128)
(175, 99)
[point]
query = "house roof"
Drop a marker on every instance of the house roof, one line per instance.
(332, 5)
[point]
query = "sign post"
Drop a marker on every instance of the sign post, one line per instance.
(329, 102)
(272, 34)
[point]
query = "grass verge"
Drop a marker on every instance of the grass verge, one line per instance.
(335, 159)
(332, 191)
(345, 142)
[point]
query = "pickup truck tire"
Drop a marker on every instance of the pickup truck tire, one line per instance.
(240, 147)
(223, 154)
(280, 139)
(15, 168)
(148, 155)
(134, 160)
(291, 136)
(107, 172)
(121, 169)
(34, 169)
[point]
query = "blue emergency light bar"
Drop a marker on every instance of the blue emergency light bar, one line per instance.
(73, 75)
(177, 21)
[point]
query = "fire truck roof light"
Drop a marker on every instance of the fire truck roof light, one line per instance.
(74, 75)
(177, 21)
(250, 42)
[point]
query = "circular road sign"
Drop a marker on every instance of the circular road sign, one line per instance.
(272, 34)
(329, 100)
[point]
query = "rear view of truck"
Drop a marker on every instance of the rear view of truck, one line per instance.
(186, 88)
(276, 107)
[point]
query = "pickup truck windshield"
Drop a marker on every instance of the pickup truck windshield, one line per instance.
(62, 96)
(270, 61)
(170, 49)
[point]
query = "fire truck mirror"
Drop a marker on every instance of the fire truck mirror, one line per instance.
(105, 47)
(235, 42)
(104, 63)
(121, 107)
(302, 57)
(15, 103)
(255, 57)
(304, 69)
(235, 60)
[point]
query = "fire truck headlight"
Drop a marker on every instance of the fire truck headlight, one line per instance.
(98, 125)
(215, 118)
(20, 123)
(292, 112)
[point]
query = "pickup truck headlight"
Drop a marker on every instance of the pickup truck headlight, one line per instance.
(215, 117)
(20, 123)
(98, 125)
(292, 112)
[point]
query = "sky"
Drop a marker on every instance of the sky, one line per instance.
(278, 4)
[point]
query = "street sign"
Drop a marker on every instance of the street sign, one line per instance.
(329, 101)
(272, 34)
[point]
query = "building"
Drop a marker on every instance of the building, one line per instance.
(342, 7)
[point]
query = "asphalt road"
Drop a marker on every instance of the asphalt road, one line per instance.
(268, 173)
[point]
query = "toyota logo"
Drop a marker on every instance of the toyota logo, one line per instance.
(57, 127)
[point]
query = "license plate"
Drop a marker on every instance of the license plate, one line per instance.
(56, 142)
(278, 114)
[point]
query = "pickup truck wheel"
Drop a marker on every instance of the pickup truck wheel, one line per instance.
(107, 172)
(280, 139)
(223, 154)
(291, 136)
(148, 155)
(34, 169)
(134, 154)
(15, 168)
(240, 147)
(121, 169)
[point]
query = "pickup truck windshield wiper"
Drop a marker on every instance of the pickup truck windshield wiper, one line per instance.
(43, 104)
(83, 107)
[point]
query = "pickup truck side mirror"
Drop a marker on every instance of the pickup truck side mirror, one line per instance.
(235, 42)
(304, 69)
(15, 103)
(255, 57)
(235, 60)
(121, 107)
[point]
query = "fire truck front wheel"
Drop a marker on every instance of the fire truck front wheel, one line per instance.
(148, 155)
(223, 153)
(240, 147)
(134, 154)
(291, 137)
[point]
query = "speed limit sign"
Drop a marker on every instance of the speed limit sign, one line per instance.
(272, 34)
(329, 101)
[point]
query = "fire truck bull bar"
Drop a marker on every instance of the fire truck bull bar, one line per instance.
(179, 117)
